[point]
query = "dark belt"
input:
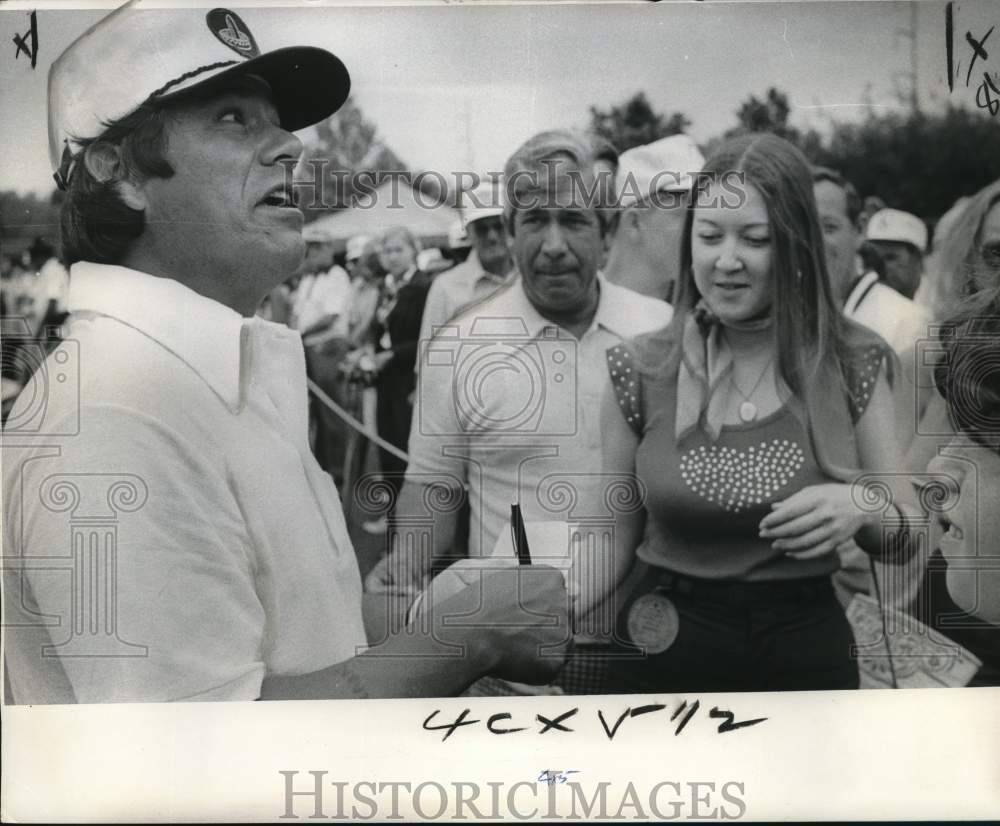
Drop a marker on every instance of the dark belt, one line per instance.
(741, 592)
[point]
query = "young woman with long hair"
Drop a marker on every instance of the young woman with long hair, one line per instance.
(757, 412)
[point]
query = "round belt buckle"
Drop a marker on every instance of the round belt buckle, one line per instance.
(653, 623)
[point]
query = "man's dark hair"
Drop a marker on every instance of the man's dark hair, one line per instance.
(854, 203)
(96, 224)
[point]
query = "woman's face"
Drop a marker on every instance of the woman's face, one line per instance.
(397, 256)
(972, 473)
(731, 254)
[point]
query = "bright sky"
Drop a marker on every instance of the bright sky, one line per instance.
(459, 86)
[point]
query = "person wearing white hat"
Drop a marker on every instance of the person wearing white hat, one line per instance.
(653, 183)
(459, 245)
(901, 240)
(487, 268)
(173, 531)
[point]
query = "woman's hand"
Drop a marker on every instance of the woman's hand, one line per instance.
(814, 521)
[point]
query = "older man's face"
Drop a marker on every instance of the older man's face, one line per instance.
(558, 243)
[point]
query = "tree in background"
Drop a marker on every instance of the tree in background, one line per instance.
(635, 123)
(23, 217)
(916, 161)
(345, 146)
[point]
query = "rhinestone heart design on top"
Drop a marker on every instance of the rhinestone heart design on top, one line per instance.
(740, 479)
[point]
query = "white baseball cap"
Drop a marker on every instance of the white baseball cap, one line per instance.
(896, 225)
(138, 53)
(485, 201)
(458, 238)
(356, 246)
(666, 165)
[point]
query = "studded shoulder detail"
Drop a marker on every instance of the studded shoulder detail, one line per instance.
(627, 386)
(862, 376)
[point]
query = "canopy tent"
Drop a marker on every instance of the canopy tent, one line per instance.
(394, 203)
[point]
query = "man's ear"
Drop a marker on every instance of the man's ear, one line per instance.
(103, 162)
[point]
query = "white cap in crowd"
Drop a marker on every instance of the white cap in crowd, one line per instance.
(666, 165)
(429, 258)
(458, 238)
(485, 201)
(896, 225)
(139, 52)
(356, 246)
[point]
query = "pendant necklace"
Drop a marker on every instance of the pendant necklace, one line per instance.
(747, 409)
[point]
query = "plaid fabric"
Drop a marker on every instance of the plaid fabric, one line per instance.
(585, 672)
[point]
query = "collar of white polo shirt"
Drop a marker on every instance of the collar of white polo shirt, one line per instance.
(211, 338)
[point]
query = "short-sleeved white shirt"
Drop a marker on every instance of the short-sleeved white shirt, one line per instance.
(510, 405)
(454, 290)
(900, 321)
(175, 450)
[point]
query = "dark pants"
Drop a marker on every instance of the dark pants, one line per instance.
(742, 636)
(393, 413)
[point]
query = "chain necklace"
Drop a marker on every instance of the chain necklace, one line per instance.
(747, 409)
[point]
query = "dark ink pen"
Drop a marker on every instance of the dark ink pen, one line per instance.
(519, 536)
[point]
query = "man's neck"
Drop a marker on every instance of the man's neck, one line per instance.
(578, 322)
(216, 286)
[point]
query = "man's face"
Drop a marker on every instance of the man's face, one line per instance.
(840, 237)
(903, 266)
(491, 247)
(228, 209)
(558, 244)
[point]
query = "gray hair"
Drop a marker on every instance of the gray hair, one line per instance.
(585, 153)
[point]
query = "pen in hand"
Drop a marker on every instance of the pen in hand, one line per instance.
(519, 536)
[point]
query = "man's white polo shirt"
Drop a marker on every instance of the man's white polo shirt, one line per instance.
(174, 517)
(510, 405)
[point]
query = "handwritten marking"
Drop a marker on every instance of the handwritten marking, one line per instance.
(557, 722)
(728, 724)
(22, 41)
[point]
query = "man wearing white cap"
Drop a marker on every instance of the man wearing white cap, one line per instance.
(487, 268)
(169, 536)
(653, 183)
(901, 239)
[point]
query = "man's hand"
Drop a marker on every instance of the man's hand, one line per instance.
(515, 616)
(400, 573)
(814, 521)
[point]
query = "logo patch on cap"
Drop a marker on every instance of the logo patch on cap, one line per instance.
(232, 31)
